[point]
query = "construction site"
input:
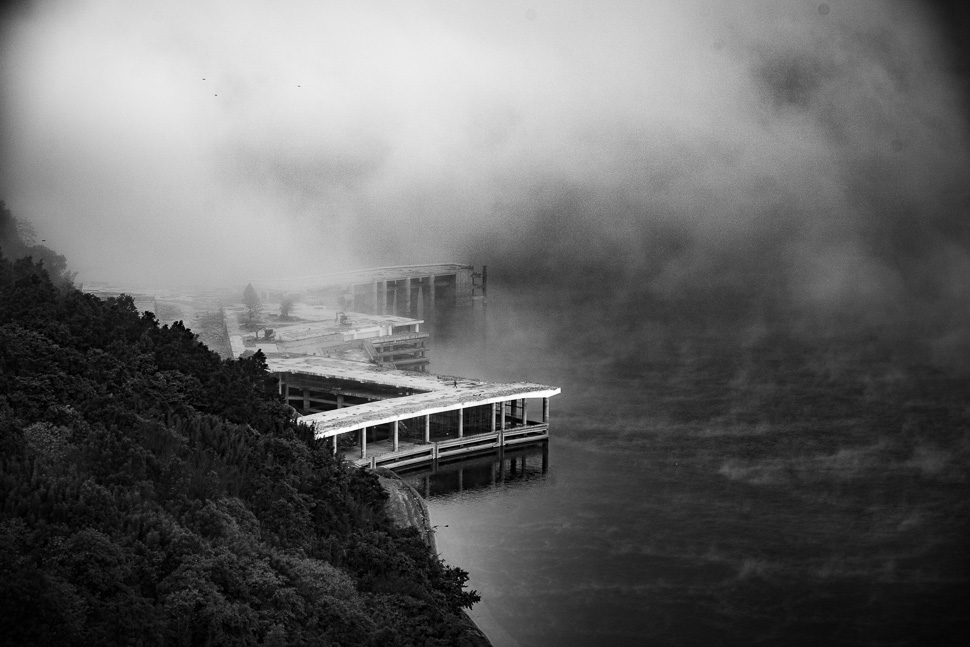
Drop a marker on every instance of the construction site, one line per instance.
(352, 354)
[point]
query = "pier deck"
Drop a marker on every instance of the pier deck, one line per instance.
(393, 418)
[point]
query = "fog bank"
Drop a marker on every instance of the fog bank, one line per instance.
(807, 159)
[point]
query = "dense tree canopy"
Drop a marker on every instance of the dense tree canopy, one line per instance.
(153, 493)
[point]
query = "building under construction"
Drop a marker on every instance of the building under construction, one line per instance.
(424, 292)
(391, 418)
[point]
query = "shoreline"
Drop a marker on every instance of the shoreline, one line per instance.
(406, 507)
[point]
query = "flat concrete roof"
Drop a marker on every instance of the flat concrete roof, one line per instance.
(320, 320)
(438, 393)
(366, 373)
(312, 321)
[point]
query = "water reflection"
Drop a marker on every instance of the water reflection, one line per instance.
(502, 468)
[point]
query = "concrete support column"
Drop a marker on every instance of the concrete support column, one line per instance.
(461, 423)
(340, 401)
(493, 416)
(431, 306)
(374, 288)
(427, 429)
(407, 297)
(383, 298)
(334, 437)
(363, 442)
(503, 414)
(306, 402)
(394, 445)
(545, 409)
(525, 418)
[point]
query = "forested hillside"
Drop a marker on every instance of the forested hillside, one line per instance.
(152, 493)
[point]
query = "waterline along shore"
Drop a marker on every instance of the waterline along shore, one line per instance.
(407, 509)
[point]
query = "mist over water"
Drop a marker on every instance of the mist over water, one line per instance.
(711, 487)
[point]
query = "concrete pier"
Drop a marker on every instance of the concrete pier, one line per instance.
(393, 418)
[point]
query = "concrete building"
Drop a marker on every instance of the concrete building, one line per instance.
(394, 418)
(418, 291)
(389, 341)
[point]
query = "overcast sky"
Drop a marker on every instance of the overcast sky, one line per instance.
(224, 141)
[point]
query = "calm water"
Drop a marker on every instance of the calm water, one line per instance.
(800, 496)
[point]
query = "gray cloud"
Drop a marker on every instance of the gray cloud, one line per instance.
(808, 162)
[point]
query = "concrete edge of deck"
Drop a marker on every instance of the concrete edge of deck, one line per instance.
(406, 397)
(331, 423)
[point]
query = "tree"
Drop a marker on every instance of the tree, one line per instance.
(153, 493)
(286, 304)
(252, 302)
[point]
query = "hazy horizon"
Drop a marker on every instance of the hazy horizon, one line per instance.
(811, 155)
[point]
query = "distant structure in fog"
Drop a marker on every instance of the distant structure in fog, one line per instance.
(314, 330)
(418, 291)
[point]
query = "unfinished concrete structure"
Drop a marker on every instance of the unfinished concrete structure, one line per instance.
(393, 418)
(388, 341)
(419, 291)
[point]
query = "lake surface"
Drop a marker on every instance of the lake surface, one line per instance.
(719, 492)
